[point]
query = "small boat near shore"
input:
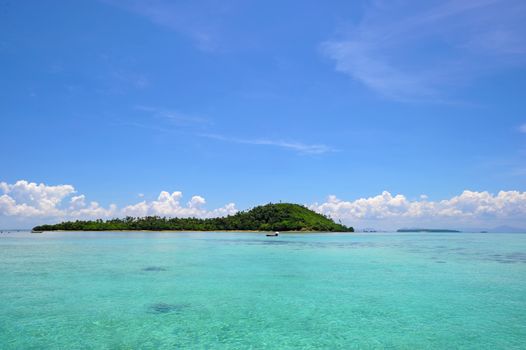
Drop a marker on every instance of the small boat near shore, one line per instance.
(275, 234)
(35, 231)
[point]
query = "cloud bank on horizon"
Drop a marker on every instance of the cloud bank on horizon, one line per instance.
(27, 203)
(26, 200)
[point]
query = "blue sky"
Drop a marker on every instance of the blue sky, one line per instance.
(251, 102)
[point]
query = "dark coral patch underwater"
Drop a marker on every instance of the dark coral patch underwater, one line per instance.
(164, 308)
(154, 268)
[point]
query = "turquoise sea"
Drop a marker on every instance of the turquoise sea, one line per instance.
(119, 290)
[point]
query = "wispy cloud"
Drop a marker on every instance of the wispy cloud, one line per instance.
(131, 79)
(294, 146)
(189, 19)
(170, 121)
(522, 128)
(173, 116)
(407, 51)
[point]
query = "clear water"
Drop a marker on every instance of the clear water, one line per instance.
(244, 290)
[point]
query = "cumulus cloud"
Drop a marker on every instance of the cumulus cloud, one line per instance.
(25, 199)
(169, 204)
(468, 208)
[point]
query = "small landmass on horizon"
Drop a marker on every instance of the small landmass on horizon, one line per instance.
(269, 217)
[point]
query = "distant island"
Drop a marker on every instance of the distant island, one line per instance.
(270, 217)
(425, 230)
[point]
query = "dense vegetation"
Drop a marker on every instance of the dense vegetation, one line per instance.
(270, 217)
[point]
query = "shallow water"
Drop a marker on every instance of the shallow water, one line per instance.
(244, 290)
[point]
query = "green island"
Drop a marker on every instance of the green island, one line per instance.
(269, 217)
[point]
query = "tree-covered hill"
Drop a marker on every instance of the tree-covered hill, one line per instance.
(270, 217)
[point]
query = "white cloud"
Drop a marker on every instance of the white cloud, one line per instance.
(26, 200)
(138, 209)
(196, 202)
(77, 202)
(522, 128)
(412, 51)
(169, 204)
(38, 203)
(467, 209)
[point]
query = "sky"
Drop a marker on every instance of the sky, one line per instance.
(384, 114)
